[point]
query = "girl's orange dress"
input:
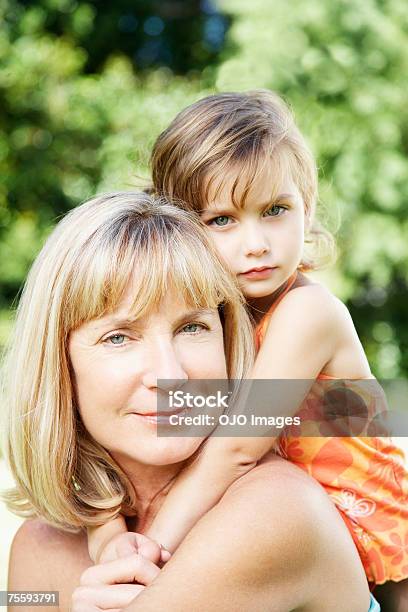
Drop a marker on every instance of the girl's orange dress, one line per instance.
(365, 477)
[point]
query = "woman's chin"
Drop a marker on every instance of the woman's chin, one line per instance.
(161, 451)
(174, 450)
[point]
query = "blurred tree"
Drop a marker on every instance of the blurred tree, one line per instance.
(342, 66)
(183, 35)
(85, 87)
(75, 85)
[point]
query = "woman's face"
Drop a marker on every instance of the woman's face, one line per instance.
(117, 361)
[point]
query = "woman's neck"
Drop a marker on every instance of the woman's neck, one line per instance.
(150, 483)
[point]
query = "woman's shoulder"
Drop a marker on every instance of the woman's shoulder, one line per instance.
(272, 478)
(277, 510)
(43, 557)
(272, 491)
(270, 514)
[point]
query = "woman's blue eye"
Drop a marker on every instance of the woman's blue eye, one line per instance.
(220, 221)
(117, 339)
(274, 211)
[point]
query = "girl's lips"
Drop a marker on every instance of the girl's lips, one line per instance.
(258, 273)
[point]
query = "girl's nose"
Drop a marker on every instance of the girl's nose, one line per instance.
(255, 242)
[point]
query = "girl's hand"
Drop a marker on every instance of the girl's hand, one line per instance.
(129, 543)
(114, 584)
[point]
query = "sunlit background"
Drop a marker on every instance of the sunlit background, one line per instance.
(86, 86)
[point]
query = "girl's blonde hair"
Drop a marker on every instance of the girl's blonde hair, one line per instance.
(248, 130)
(61, 473)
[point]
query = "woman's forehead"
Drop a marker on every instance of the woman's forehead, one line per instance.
(171, 302)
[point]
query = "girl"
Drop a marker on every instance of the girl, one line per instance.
(240, 161)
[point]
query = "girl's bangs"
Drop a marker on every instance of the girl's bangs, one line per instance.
(247, 170)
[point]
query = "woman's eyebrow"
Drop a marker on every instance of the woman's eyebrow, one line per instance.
(191, 314)
(114, 321)
(118, 321)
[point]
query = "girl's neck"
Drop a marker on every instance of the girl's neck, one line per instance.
(260, 306)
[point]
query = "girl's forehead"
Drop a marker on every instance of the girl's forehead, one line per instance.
(241, 186)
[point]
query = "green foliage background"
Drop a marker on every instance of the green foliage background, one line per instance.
(85, 90)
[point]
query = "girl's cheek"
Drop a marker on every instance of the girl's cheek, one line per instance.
(225, 245)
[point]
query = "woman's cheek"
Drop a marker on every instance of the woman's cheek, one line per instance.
(205, 359)
(105, 385)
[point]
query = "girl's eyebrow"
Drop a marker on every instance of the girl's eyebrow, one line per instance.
(283, 196)
(221, 208)
(276, 199)
(218, 209)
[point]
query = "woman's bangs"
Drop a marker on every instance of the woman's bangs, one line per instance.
(181, 267)
(155, 257)
(96, 286)
(199, 281)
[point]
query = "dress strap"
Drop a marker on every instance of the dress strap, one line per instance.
(262, 326)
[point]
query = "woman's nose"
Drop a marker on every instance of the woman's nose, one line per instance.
(164, 369)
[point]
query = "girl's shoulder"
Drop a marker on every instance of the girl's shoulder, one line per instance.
(323, 323)
(310, 309)
(309, 294)
(308, 332)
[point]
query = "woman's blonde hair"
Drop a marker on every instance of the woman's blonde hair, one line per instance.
(61, 473)
(226, 130)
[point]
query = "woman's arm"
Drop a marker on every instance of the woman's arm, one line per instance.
(241, 555)
(307, 328)
(43, 558)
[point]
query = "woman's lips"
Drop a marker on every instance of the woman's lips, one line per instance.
(159, 417)
(258, 273)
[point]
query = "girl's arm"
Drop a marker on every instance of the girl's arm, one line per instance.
(112, 541)
(309, 327)
(98, 537)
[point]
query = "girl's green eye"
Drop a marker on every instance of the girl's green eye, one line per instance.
(275, 211)
(192, 328)
(220, 221)
(116, 339)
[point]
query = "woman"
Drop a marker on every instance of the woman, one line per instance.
(127, 292)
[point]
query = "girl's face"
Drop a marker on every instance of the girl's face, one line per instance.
(261, 243)
(117, 362)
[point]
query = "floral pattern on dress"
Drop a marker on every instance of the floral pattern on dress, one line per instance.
(364, 473)
(398, 549)
(352, 505)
